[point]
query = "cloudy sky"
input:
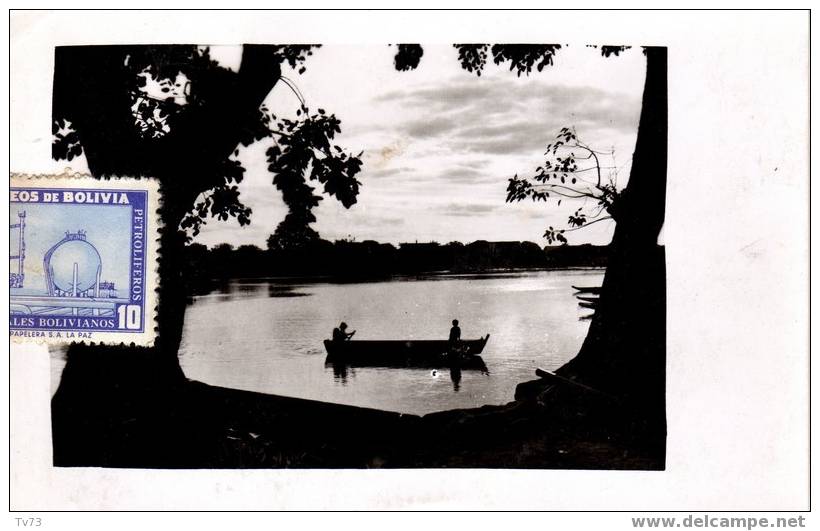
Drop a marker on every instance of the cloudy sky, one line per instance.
(440, 143)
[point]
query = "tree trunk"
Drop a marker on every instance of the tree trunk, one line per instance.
(118, 405)
(625, 350)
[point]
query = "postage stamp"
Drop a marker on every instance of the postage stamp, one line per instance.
(82, 259)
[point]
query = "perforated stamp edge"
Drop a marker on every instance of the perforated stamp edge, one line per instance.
(146, 336)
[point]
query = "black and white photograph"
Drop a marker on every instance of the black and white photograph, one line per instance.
(456, 266)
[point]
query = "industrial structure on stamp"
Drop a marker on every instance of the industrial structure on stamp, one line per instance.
(16, 279)
(73, 286)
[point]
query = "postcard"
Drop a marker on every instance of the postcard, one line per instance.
(472, 260)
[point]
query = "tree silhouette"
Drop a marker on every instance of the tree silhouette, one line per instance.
(303, 148)
(561, 177)
(624, 351)
(173, 114)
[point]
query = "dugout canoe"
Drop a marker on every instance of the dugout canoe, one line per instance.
(592, 290)
(406, 353)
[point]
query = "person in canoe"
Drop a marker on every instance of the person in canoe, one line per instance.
(341, 334)
(455, 349)
(455, 334)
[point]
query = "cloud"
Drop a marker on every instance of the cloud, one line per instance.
(386, 172)
(456, 93)
(428, 128)
(389, 221)
(476, 163)
(466, 209)
(466, 174)
(474, 116)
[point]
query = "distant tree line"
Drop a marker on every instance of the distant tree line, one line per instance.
(365, 259)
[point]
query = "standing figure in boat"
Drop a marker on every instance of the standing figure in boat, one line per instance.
(455, 349)
(455, 333)
(341, 334)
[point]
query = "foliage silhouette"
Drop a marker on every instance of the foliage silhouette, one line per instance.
(306, 145)
(560, 177)
(521, 57)
(174, 114)
(188, 139)
(407, 56)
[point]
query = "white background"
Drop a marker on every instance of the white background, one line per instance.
(736, 236)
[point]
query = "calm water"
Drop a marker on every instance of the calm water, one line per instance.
(267, 336)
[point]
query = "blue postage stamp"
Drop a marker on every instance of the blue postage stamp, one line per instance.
(82, 259)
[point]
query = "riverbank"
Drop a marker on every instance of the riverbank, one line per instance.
(569, 431)
(196, 425)
(117, 407)
(348, 260)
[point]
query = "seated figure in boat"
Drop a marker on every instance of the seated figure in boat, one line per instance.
(341, 334)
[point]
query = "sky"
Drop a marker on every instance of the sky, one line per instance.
(441, 143)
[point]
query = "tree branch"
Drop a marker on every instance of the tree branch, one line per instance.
(552, 187)
(588, 224)
(590, 169)
(281, 134)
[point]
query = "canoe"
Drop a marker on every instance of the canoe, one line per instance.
(593, 290)
(406, 353)
(587, 299)
(439, 362)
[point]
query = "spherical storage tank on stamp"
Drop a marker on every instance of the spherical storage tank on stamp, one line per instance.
(62, 259)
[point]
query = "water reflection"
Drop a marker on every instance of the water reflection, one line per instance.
(340, 371)
(471, 363)
(533, 318)
(233, 290)
(455, 377)
(471, 276)
(239, 291)
(275, 290)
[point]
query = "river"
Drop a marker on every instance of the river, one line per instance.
(266, 335)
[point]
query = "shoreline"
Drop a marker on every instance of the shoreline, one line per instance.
(187, 424)
(399, 276)
(244, 429)
(545, 427)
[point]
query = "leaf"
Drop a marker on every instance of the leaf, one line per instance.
(407, 57)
